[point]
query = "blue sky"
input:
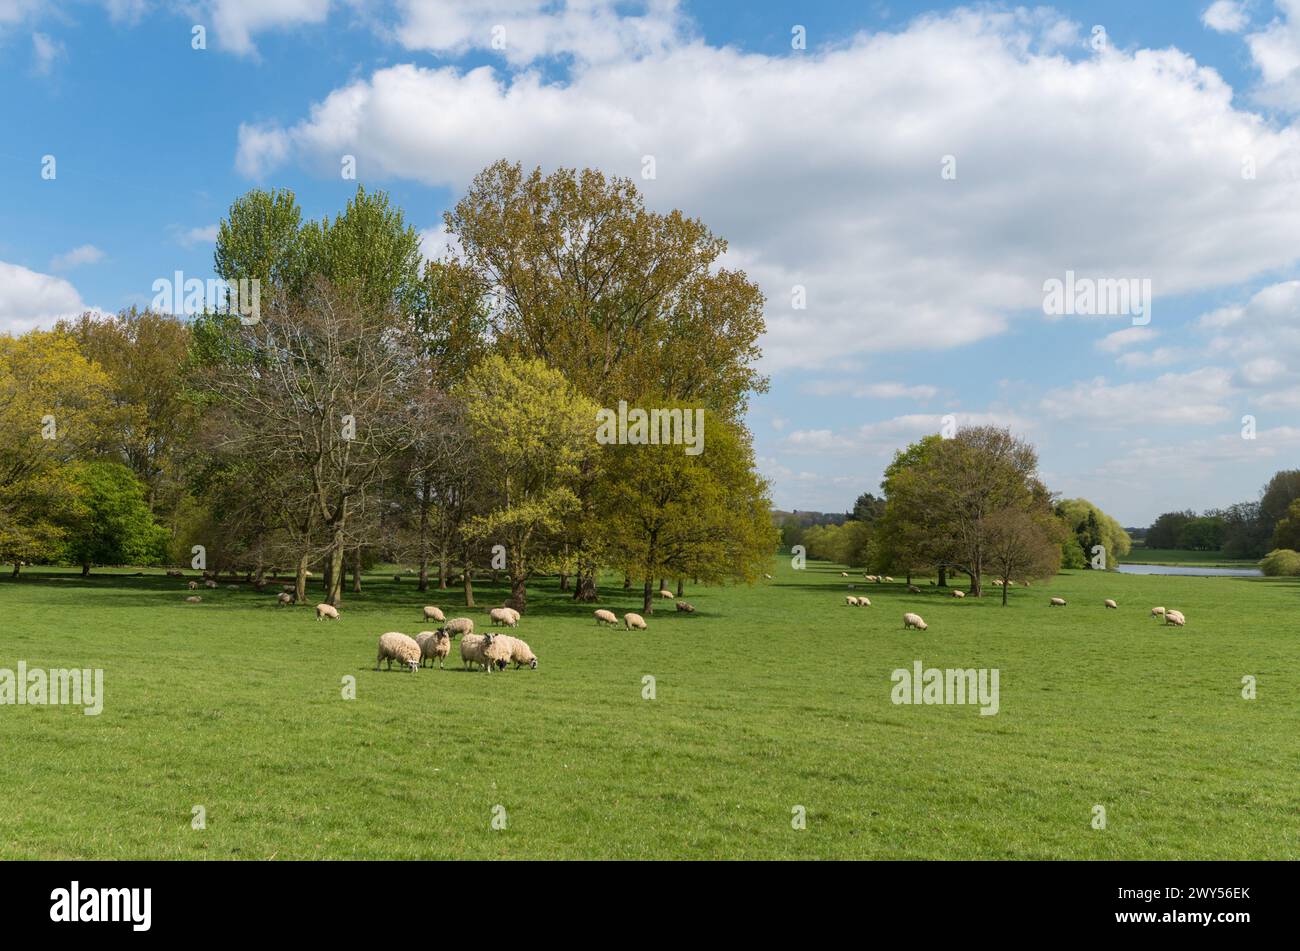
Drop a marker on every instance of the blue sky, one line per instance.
(821, 166)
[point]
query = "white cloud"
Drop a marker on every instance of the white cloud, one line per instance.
(526, 30)
(1129, 337)
(236, 21)
(29, 299)
(879, 391)
(1195, 397)
(1226, 16)
(205, 234)
(45, 50)
(85, 254)
(823, 168)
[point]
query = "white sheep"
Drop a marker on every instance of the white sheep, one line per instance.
(435, 645)
(605, 617)
(889, 579)
(324, 611)
(665, 593)
(396, 646)
(768, 577)
(433, 614)
(958, 593)
(194, 585)
(864, 602)
(1110, 604)
(1056, 602)
(460, 625)
(487, 650)
(631, 621)
(210, 583)
(844, 574)
(685, 607)
(1175, 618)
(520, 653)
(193, 599)
(872, 578)
(913, 589)
(284, 598)
(503, 616)
(1157, 612)
(914, 620)
(851, 601)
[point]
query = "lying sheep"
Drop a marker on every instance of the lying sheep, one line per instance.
(911, 620)
(324, 611)
(667, 595)
(1175, 618)
(685, 607)
(433, 614)
(605, 617)
(631, 621)
(1110, 604)
(957, 593)
(433, 645)
(284, 598)
(1056, 602)
(520, 653)
(1157, 612)
(913, 589)
(851, 601)
(396, 646)
(460, 625)
(503, 616)
(193, 599)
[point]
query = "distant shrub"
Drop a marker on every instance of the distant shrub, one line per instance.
(1281, 562)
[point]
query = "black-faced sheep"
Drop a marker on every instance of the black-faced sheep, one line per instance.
(434, 645)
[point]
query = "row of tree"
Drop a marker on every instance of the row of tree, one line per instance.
(1244, 530)
(439, 413)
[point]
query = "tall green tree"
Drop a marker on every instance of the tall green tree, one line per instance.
(118, 528)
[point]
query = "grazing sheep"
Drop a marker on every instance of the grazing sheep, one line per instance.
(471, 649)
(889, 579)
(605, 617)
(871, 578)
(1110, 604)
(520, 653)
(668, 595)
(396, 646)
(194, 585)
(1175, 617)
(685, 607)
(914, 620)
(284, 598)
(864, 602)
(634, 621)
(997, 582)
(913, 589)
(957, 593)
(844, 574)
(514, 611)
(1157, 612)
(486, 650)
(193, 599)
(433, 614)
(1011, 584)
(768, 577)
(851, 601)
(175, 573)
(503, 616)
(1056, 602)
(460, 625)
(324, 611)
(435, 645)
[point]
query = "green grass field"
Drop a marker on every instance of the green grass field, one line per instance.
(769, 698)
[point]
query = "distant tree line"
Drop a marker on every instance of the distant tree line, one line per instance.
(1243, 530)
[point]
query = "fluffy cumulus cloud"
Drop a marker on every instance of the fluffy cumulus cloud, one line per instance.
(84, 254)
(29, 299)
(1226, 16)
(235, 22)
(823, 169)
(522, 31)
(1261, 340)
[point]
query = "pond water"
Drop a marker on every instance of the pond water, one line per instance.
(1185, 570)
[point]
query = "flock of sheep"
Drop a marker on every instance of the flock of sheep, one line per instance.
(911, 620)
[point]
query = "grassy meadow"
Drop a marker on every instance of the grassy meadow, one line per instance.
(768, 698)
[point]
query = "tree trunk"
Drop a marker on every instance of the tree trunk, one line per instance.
(442, 567)
(18, 567)
(356, 570)
(85, 569)
(334, 587)
(663, 583)
(627, 582)
(467, 578)
(648, 601)
(909, 576)
(1004, 592)
(943, 576)
(424, 539)
(585, 587)
(564, 582)
(681, 587)
(300, 580)
(519, 594)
